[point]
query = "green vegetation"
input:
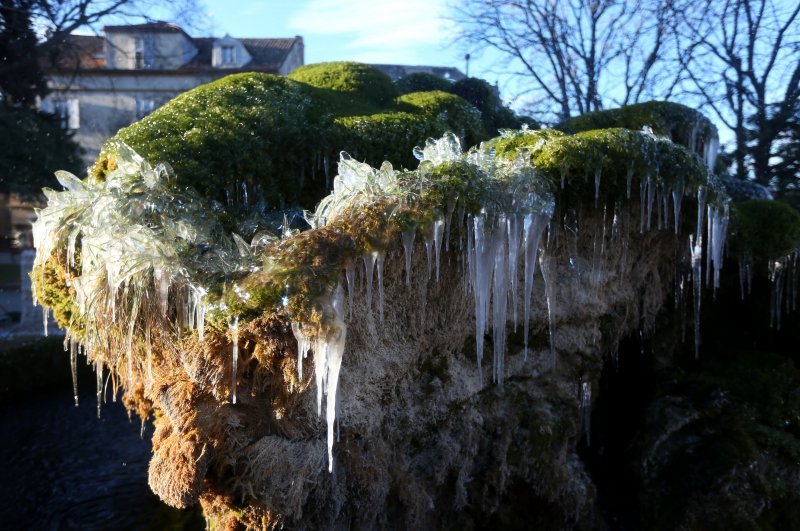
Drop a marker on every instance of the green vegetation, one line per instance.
(33, 148)
(767, 230)
(356, 79)
(421, 82)
(672, 120)
(486, 99)
(280, 137)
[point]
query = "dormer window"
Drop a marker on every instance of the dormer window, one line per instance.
(228, 55)
(228, 52)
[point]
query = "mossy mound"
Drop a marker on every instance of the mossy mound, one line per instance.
(252, 138)
(356, 79)
(421, 82)
(679, 123)
(607, 164)
(440, 105)
(767, 230)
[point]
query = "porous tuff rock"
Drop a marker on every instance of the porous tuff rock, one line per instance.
(421, 444)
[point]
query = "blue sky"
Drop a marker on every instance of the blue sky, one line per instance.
(371, 31)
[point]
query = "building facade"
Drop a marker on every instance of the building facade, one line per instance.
(100, 84)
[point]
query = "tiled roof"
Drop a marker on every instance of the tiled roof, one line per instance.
(158, 26)
(81, 52)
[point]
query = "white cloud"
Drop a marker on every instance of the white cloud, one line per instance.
(381, 30)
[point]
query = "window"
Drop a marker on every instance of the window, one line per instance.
(67, 111)
(227, 55)
(138, 53)
(144, 107)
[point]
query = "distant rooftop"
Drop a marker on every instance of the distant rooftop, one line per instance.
(88, 52)
(397, 71)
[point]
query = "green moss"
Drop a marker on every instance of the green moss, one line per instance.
(356, 79)
(672, 120)
(421, 82)
(277, 135)
(461, 117)
(767, 229)
(613, 153)
(57, 292)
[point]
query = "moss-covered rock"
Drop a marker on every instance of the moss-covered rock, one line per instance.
(767, 230)
(278, 138)
(450, 108)
(421, 82)
(356, 79)
(679, 123)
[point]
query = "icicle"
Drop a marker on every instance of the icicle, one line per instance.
(149, 347)
(380, 259)
(350, 275)
(369, 268)
(709, 244)
(642, 204)
(500, 301)
(651, 193)
(696, 250)
(515, 229)
(586, 410)
(776, 278)
(98, 369)
(701, 209)
(303, 346)
(320, 370)
(234, 329)
(720, 225)
(483, 261)
(549, 275)
(629, 179)
(73, 360)
(597, 174)
(710, 151)
(428, 253)
(335, 351)
(161, 279)
(408, 250)
(438, 232)
(533, 227)
(677, 199)
(451, 207)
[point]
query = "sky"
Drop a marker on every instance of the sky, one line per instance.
(372, 31)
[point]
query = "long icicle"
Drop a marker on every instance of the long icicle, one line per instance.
(234, 328)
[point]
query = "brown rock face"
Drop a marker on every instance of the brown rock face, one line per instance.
(419, 441)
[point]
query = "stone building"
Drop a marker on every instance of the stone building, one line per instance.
(100, 84)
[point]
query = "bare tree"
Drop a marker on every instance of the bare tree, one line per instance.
(742, 59)
(577, 55)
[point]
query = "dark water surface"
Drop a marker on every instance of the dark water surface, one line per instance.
(63, 468)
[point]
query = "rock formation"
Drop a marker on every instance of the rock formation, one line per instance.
(426, 355)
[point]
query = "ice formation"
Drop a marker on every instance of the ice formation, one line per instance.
(148, 253)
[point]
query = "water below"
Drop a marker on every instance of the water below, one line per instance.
(63, 468)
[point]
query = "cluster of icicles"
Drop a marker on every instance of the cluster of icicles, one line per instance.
(141, 263)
